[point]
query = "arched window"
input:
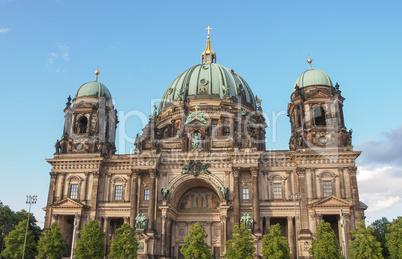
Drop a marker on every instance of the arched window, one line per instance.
(319, 116)
(82, 125)
(327, 182)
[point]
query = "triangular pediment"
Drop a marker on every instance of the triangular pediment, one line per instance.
(331, 202)
(84, 105)
(68, 203)
(319, 93)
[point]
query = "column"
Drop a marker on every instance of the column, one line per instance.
(86, 186)
(133, 197)
(291, 235)
(236, 195)
(342, 182)
(60, 186)
(355, 194)
(303, 206)
(256, 204)
(346, 218)
(53, 180)
(288, 183)
(94, 194)
(348, 188)
(151, 206)
(168, 236)
(267, 224)
(309, 177)
(163, 234)
(106, 226)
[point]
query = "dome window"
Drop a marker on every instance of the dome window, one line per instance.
(319, 116)
(82, 125)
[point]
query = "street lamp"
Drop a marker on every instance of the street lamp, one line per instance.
(31, 199)
(296, 197)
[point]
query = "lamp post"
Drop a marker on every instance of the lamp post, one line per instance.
(31, 199)
(296, 197)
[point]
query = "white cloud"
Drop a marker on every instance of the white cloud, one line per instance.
(63, 53)
(379, 187)
(4, 30)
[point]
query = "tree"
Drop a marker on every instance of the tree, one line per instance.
(380, 229)
(325, 244)
(10, 219)
(394, 238)
(364, 245)
(15, 242)
(241, 245)
(194, 244)
(52, 244)
(90, 244)
(124, 245)
(274, 245)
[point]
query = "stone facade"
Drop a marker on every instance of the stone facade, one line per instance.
(203, 159)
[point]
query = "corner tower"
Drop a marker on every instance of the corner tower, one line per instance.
(316, 112)
(90, 121)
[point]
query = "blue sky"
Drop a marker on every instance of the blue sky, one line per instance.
(48, 49)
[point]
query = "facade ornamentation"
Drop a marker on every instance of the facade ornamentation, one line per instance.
(224, 191)
(165, 193)
(141, 222)
(195, 168)
(247, 220)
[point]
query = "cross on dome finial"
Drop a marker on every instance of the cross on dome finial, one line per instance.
(208, 29)
(208, 56)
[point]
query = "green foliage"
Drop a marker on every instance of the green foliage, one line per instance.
(52, 244)
(194, 244)
(394, 238)
(10, 219)
(380, 229)
(325, 244)
(124, 245)
(241, 245)
(90, 244)
(364, 245)
(15, 243)
(274, 245)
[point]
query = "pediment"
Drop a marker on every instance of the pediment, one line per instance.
(68, 203)
(331, 202)
(319, 93)
(84, 105)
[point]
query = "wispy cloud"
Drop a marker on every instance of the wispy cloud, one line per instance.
(4, 30)
(62, 52)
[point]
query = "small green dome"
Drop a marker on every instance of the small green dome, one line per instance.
(312, 77)
(208, 81)
(94, 88)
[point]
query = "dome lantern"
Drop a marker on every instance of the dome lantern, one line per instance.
(208, 56)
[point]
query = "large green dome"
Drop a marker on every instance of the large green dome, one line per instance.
(313, 77)
(208, 81)
(94, 88)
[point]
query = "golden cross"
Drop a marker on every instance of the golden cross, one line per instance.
(196, 108)
(208, 29)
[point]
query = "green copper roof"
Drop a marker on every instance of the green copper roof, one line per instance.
(208, 81)
(94, 88)
(313, 77)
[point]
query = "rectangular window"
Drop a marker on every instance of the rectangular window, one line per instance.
(246, 194)
(146, 195)
(118, 193)
(277, 191)
(74, 191)
(327, 188)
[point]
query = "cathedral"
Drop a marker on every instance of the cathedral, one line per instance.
(202, 158)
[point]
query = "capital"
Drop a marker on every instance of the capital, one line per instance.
(300, 171)
(152, 173)
(236, 171)
(254, 171)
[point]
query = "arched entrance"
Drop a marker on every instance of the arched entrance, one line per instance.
(198, 204)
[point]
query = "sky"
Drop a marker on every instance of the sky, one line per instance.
(49, 48)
